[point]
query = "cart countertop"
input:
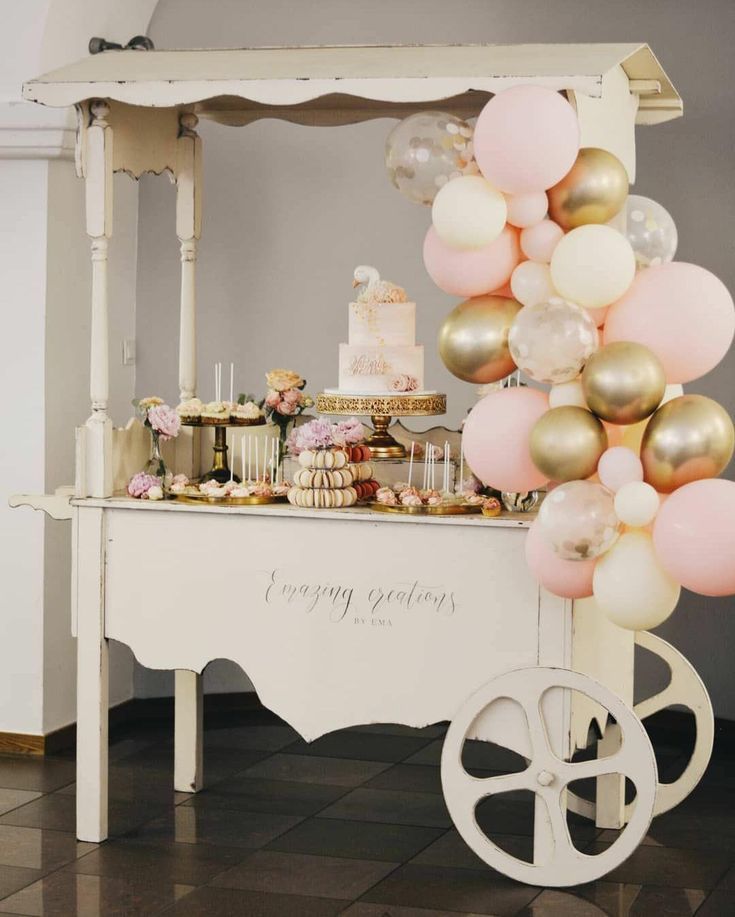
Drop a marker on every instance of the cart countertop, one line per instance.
(357, 514)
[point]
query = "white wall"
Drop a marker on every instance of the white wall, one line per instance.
(290, 210)
(44, 306)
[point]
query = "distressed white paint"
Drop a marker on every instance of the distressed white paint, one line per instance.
(92, 678)
(282, 77)
(188, 733)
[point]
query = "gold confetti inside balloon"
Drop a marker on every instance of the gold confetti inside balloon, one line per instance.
(651, 231)
(593, 191)
(687, 439)
(623, 382)
(567, 442)
(578, 520)
(473, 340)
(425, 151)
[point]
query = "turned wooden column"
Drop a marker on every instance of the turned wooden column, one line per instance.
(98, 189)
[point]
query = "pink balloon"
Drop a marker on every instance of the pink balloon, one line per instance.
(619, 466)
(496, 438)
(694, 536)
(571, 579)
(538, 242)
(471, 272)
(526, 209)
(682, 312)
(526, 139)
(505, 291)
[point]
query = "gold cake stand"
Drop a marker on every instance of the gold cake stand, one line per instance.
(220, 470)
(381, 409)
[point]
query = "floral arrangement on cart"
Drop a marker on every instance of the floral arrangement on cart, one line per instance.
(571, 279)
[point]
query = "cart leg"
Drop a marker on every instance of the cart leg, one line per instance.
(610, 809)
(188, 732)
(92, 679)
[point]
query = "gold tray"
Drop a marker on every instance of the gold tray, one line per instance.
(427, 404)
(212, 422)
(227, 501)
(442, 509)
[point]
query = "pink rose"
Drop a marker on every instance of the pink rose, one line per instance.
(284, 407)
(293, 396)
(272, 398)
(164, 420)
(402, 382)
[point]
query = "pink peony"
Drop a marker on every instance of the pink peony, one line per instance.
(273, 398)
(286, 408)
(164, 420)
(141, 483)
(349, 432)
(293, 396)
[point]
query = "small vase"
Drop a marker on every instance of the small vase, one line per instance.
(155, 465)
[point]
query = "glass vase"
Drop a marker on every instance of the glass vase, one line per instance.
(155, 465)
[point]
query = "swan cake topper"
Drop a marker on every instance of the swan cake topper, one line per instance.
(374, 290)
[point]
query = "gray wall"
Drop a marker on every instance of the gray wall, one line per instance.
(290, 210)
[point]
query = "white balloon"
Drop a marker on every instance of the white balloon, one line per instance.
(567, 394)
(468, 212)
(551, 341)
(631, 587)
(578, 520)
(593, 265)
(651, 231)
(531, 283)
(636, 503)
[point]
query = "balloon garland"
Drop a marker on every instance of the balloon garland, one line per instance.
(570, 279)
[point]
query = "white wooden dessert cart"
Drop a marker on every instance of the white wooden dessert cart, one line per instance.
(349, 617)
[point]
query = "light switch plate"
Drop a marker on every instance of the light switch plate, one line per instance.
(128, 352)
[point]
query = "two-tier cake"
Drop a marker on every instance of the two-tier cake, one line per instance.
(381, 356)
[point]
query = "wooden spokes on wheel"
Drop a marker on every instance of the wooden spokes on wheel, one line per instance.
(685, 689)
(557, 862)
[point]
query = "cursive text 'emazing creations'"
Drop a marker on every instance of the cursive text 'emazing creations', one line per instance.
(338, 600)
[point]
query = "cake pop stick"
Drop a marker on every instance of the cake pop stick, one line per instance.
(242, 458)
(461, 462)
(256, 458)
(232, 382)
(232, 457)
(426, 468)
(410, 463)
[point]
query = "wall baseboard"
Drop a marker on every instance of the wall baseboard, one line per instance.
(223, 709)
(135, 710)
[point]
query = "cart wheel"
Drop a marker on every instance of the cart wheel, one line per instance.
(686, 689)
(558, 863)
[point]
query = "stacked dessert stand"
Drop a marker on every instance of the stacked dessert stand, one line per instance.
(381, 409)
(320, 616)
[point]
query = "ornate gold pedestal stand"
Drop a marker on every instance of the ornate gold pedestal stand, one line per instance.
(381, 409)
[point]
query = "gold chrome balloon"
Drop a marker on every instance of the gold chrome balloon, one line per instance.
(473, 340)
(592, 191)
(566, 443)
(623, 382)
(687, 439)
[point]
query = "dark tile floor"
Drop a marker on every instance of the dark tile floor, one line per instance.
(352, 824)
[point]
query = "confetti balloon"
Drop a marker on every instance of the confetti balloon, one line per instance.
(424, 151)
(578, 520)
(651, 231)
(552, 341)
